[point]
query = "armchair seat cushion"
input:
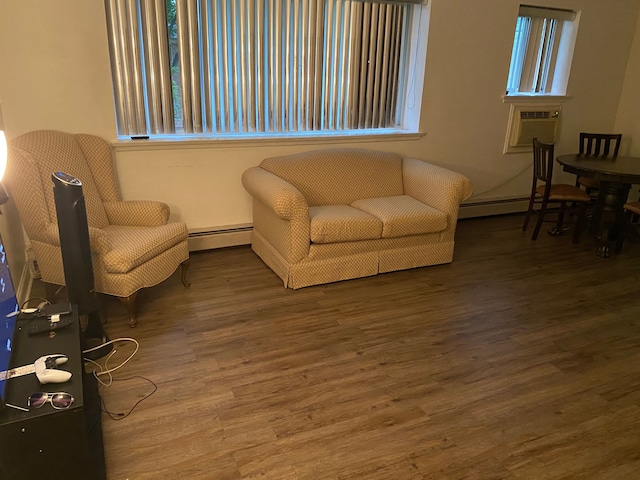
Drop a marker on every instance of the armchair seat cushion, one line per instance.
(403, 215)
(131, 246)
(342, 223)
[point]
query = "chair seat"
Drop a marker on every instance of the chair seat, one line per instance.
(131, 246)
(564, 193)
(589, 182)
(633, 207)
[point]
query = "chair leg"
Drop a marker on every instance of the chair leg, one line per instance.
(185, 267)
(559, 228)
(582, 215)
(541, 214)
(622, 233)
(130, 303)
(529, 212)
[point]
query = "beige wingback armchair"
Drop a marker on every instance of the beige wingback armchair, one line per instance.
(133, 246)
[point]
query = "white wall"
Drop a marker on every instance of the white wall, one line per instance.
(628, 119)
(55, 74)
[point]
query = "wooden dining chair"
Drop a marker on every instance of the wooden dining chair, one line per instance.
(603, 145)
(631, 219)
(571, 199)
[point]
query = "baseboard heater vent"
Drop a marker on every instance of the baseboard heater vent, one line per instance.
(497, 206)
(227, 236)
(234, 235)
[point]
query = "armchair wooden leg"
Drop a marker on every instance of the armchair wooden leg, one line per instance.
(185, 267)
(130, 303)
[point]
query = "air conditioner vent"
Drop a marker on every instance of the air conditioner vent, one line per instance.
(527, 123)
(533, 115)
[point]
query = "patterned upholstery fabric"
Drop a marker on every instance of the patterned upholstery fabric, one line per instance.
(132, 244)
(306, 229)
(340, 176)
(342, 223)
(403, 215)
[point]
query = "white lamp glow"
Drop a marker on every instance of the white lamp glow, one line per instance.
(3, 154)
(3, 159)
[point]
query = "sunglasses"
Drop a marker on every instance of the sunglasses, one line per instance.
(59, 400)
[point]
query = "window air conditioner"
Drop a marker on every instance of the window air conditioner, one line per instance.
(527, 123)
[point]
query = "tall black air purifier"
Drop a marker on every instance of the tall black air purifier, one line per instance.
(76, 259)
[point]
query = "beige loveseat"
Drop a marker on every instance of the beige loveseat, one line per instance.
(335, 214)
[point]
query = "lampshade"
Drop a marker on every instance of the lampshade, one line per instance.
(3, 159)
(3, 154)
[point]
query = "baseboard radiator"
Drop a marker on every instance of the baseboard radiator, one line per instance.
(497, 206)
(219, 237)
(234, 235)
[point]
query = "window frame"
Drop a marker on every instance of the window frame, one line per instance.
(408, 121)
(541, 59)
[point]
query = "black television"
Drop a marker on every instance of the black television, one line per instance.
(8, 315)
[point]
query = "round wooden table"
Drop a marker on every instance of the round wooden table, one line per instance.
(616, 175)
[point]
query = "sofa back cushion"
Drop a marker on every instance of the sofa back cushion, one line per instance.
(340, 175)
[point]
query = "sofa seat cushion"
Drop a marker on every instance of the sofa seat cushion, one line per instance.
(403, 215)
(342, 223)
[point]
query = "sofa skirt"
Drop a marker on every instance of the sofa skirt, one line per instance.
(316, 270)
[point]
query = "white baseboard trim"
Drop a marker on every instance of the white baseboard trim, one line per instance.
(497, 206)
(219, 237)
(234, 235)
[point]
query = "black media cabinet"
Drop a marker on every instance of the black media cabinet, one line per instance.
(47, 443)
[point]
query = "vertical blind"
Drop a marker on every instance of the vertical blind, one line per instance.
(270, 66)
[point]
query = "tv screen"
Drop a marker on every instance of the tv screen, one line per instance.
(8, 316)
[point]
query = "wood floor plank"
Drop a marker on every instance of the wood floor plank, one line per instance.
(519, 360)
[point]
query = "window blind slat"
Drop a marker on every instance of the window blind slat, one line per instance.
(116, 42)
(241, 66)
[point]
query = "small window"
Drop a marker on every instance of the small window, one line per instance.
(542, 51)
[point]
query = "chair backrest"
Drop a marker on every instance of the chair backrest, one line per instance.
(599, 144)
(542, 162)
(34, 156)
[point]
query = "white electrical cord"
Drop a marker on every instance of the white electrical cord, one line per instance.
(105, 370)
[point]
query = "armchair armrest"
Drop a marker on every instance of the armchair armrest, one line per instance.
(141, 213)
(283, 218)
(435, 186)
(98, 238)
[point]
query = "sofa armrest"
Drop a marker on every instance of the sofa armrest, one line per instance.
(98, 238)
(141, 213)
(280, 196)
(280, 213)
(435, 186)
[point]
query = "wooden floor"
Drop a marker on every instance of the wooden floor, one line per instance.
(520, 360)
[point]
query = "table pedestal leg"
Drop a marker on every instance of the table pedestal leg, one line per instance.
(608, 215)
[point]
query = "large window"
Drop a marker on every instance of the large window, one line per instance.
(229, 68)
(542, 50)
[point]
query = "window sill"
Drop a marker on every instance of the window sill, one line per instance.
(188, 142)
(534, 99)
